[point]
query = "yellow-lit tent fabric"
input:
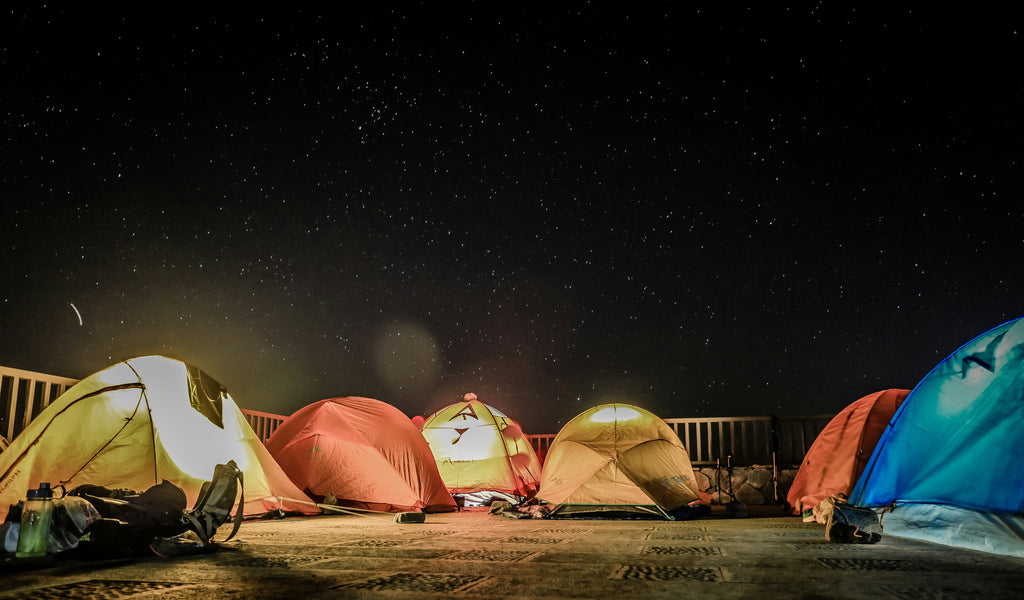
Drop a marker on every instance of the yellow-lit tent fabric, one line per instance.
(479, 449)
(617, 459)
(137, 423)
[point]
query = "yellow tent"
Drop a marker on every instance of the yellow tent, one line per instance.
(617, 460)
(479, 449)
(137, 423)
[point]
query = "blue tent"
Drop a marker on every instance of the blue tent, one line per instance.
(949, 465)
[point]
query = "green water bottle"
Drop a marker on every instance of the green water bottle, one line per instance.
(35, 522)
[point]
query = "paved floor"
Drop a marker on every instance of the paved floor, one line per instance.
(478, 555)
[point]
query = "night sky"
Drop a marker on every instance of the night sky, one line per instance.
(701, 211)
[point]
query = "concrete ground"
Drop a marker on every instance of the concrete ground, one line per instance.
(767, 555)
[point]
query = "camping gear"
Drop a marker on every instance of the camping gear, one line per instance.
(71, 517)
(947, 468)
(139, 422)
(360, 453)
(838, 455)
(847, 524)
(36, 516)
(216, 499)
(212, 509)
(482, 452)
(617, 460)
(528, 510)
(156, 520)
(157, 508)
(130, 519)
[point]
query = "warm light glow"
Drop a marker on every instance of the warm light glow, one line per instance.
(186, 439)
(611, 414)
(406, 358)
(472, 443)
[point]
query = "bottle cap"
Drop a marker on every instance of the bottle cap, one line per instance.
(43, 492)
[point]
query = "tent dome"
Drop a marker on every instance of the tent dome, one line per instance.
(839, 453)
(617, 458)
(478, 448)
(363, 452)
(141, 421)
(948, 467)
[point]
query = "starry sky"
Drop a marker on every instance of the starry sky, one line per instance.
(700, 210)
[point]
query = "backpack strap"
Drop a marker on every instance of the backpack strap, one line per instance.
(239, 513)
(216, 498)
(200, 523)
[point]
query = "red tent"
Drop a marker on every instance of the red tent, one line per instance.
(837, 457)
(364, 452)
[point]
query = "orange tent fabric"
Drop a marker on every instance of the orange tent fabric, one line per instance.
(364, 452)
(838, 455)
(477, 448)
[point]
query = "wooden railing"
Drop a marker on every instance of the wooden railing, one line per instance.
(724, 441)
(23, 395)
(264, 424)
(735, 441)
(745, 441)
(541, 442)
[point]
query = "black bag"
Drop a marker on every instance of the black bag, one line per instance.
(157, 520)
(131, 519)
(158, 508)
(853, 525)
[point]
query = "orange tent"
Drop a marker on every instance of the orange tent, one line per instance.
(364, 452)
(479, 449)
(838, 455)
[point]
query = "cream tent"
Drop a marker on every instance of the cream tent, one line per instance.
(137, 423)
(617, 460)
(479, 449)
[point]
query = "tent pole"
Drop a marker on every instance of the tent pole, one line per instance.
(775, 478)
(718, 480)
(728, 462)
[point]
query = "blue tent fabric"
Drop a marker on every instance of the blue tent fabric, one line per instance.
(948, 466)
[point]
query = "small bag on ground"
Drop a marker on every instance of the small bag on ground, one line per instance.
(853, 525)
(131, 519)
